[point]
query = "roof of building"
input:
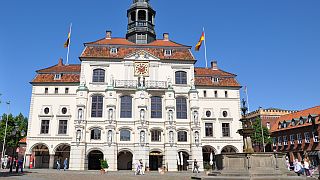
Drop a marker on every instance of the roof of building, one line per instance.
(69, 74)
(23, 140)
(212, 72)
(314, 112)
(204, 77)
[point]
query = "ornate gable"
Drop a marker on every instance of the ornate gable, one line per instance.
(142, 55)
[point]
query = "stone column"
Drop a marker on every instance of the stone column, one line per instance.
(51, 161)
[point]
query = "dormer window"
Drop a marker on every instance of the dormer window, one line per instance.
(167, 52)
(113, 50)
(215, 79)
(293, 122)
(57, 76)
(301, 121)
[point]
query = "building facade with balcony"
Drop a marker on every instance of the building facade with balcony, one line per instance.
(133, 98)
(297, 134)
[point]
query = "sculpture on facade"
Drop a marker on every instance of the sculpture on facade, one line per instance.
(141, 81)
(142, 114)
(78, 135)
(192, 84)
(110, 136)
(110, 114)
(171, 137)
(169, 82)
(170, 116)
(111, 81)
(80, 114)
(196, 138)
(195, 117)
(142, 137)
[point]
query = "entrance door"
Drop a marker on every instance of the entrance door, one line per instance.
(125, 160)
(155, 161)
(94, 160)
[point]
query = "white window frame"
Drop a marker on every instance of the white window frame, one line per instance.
(307, 137)
(291, 139)
(57, 76)
(168, 52)
(285, 140)
(113, 50)
(299, 138)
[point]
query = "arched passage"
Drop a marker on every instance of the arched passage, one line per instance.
(184, 159)
(206, 153)
(125, 160)
(229, 149)
(61, 153)
(155, 160)
(40, 156)
(94, 158)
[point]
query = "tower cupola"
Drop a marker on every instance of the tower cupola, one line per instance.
(141, 22)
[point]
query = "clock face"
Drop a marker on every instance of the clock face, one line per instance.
(141, 69)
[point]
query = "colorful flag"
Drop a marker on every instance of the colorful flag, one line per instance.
(197, 48)
(66, 44)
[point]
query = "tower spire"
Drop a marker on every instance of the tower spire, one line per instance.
(141, 22)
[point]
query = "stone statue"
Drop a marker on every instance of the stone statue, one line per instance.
(80, 114)
(78, 135)
(109, 136)
(169, 82)
(111, 81)
(192, 84)
(171, 137)
(142, 114)
(142, 137)
(170, 116)
(141, 81)
(196, 137)
(195, 117)
(110, 114)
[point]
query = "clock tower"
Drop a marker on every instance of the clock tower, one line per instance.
(141, 22)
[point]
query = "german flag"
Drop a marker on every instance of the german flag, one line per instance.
(66, 44)
(197, 48)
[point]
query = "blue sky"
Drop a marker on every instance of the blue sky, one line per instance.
(273, 46)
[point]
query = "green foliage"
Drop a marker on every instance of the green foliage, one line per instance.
(207, 166)
(20, 122)
(104, 164)
(257, 135)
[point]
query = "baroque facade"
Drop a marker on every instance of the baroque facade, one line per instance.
(133, 98)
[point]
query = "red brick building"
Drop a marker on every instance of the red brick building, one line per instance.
(297, 134)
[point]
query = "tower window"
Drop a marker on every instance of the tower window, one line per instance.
(57, 76)
(133, 16)
(142, 15)
(167, 52)
(113, 51)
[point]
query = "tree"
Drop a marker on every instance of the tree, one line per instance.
(257, 135)
(22, 124)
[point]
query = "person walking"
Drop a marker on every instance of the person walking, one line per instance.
(297, 167)
(65, 164)
(195, 166)
(58, 165)
(141, 167)
(307, 166)
(20, 163)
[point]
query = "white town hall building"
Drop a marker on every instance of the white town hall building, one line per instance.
(133, 98)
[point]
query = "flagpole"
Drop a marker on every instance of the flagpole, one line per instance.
(205, 48)
(246, 91)
(67, 63)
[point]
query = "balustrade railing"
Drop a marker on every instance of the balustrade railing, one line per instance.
(135, 84)
(126, 83)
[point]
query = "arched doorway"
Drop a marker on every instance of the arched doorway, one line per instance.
(125, 160)
(61, 153)
(155, 160)
(184, 158)
(206, 153)
(94, 158)
(229, 150)
(40, 156)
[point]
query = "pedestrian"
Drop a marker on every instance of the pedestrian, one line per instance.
(288, 163)
(20, 163)
(195, 166)
(307, 166)
(58, 165)
(303, 169)
(141, 167)
(297, 167)
(65, 164)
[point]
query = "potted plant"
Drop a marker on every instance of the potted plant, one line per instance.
(104, 166)
(207, 168)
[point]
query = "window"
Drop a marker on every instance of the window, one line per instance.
(274, 140)
(124, 135)
(64, 110)
(46, 90)
(113, 51)
(156, 107)
(216, 94)
(307, 137)
(215, 79)
(285, 140)
(95, 134)
(66, 90)
(284, 124)
(208, 113)
(204, 93)
(97, 105)
(44, 127)
(155, 135)
(167, 52)
(292, 139)
(98, 75)
(209, 129)
(225, 130)
(181, 105)
(46, 110)
(141, 39)
(126, 107)
(315, 138)
(57, 76)
(182, 136)
(293, 123)
(226, 94)
(56, 90)
(299, 138)
(268, 125)
(279, 141)
(181, 77)
(301, 121)
(63, 124)
(225, 114)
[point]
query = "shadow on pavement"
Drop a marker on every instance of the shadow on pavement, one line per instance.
(14, 174)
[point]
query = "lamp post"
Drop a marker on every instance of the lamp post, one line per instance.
(5, 134)
(16, 133)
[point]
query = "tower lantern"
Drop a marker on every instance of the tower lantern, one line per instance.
(141, 22)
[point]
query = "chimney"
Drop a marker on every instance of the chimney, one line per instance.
(60, 63)
(214, 65)
(108, 34)
(166, 36)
